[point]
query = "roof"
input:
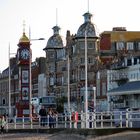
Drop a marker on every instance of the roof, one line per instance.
(24, 38)
(128, 88)
(55, 41)
(87, 26)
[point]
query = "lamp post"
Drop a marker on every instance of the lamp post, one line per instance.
(30, 76)
(68, 98)
(86, 92)
(9, 95)
(94, 93)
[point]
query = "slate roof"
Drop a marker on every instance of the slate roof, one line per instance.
(128, 88)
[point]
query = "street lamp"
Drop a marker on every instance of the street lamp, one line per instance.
(30, 78)
(9, 97)
(86, 92)
(68, 61)
(94, 93)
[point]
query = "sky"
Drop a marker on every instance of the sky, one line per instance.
(40, 16)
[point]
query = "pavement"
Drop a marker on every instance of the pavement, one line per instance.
(129, 135)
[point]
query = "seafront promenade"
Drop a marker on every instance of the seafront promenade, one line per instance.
(69, 135)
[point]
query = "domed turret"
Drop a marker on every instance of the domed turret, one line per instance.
(55, 41)
(87, 26)
(24, 39)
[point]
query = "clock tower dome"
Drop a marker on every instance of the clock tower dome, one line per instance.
(24, 52)
(24, 62)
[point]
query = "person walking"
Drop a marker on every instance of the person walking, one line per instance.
(43, 116)
(2, 123)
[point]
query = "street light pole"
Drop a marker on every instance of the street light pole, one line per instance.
(94, 92)
(86, 94)
(9, 83)
(68, 61)
(30, 86)
(30, 75)
(9, 74)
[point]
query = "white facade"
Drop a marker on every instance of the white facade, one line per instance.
(120, 96)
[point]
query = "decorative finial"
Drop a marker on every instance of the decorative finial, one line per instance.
(88, 5)
(24, 26)
(56, 17)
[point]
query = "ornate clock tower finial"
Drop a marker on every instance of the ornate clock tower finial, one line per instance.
(24, 26)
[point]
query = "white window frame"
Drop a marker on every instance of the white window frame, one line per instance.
(138, 45)
(120, 45)
(51, 81)
(130, 45)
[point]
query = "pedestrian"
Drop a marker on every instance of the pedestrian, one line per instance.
(2, 123)
(43, 115)
(51, 118)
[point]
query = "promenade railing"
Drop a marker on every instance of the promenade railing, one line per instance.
(95, 120)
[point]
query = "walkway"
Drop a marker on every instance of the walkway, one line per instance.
(129, 135)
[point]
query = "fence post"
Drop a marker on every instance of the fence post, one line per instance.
(92, 119)
(39, 123)
(121, 119)
(130, 118)
(82, 123)
(56, 121)
(65, 120)
(7, 124)
(31, 119)
(23, 122)
(111, 118)
(15, 121)
(101, 119)
(70, 120)
(48, 121)
(127, 118)
(94, 116)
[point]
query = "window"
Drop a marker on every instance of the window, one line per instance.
(51, 68)
(51, 55)
(90, 60)
(120, 45)
(82, 45)
(51, 81)
(82, 60)
(74, 48)
(130, 45)
(135, 61)
(3, 101)
(103, 88)
(138, 45)
(82, 74)
(91, 45)
(129, 62)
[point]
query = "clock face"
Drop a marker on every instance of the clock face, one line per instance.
(25, 54)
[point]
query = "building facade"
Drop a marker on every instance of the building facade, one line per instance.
(120, 52)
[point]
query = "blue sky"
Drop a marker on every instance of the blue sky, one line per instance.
(40, 15)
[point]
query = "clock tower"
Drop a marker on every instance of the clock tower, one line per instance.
(24, 61)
